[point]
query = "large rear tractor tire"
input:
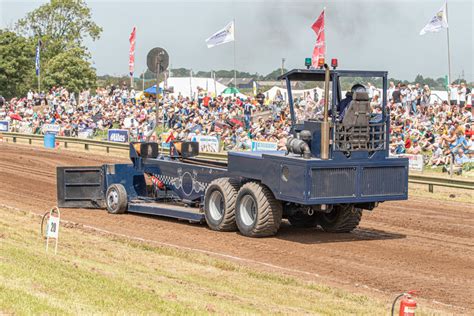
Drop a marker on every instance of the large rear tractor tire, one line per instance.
(116, 199)
(258, 213)
(219, 204)
(344, 218)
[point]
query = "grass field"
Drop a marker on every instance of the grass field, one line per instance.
(103, 274)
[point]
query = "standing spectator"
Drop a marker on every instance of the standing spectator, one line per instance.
(413, 96)
(397, 96)
(370, 90)
(260, 98)
(453, 94)
(405, 96)
(462, 94)
(391, 89)
(426, 95)
(248, 107)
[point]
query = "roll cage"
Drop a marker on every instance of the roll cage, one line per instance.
(377, 131)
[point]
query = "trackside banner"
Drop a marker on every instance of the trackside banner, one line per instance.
(85, 133)
(207, 144)
(118, 135)
(257, 146)
(51, 128)
(4, 126)
(415, 162)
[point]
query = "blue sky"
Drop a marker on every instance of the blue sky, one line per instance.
(372, 35)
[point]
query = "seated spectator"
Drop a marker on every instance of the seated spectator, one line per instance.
(459, 160)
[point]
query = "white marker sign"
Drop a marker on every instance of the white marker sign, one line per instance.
(52, 230)
(53, 227)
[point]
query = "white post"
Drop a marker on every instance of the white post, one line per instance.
(235, 71)
(215, 85)
(449, 55)
(191, 84)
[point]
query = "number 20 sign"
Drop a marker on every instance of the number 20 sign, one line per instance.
(52, 230)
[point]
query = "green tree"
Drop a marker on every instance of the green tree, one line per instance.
(60, 24)
(70, 69)
(274, 74)
(180, 72)
(17, 64)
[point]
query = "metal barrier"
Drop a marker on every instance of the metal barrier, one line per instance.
(445, 182)
(88, 144)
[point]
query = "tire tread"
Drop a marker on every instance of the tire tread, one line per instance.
(348, 220)
(229, 187)
(270, 211)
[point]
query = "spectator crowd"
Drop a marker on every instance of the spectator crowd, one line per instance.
(420, 123)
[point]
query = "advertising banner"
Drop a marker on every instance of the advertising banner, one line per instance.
(85, 133)
(207, 144)
(4, 126)
(118, 135)
(51, 128)
(415, 162)
(260, 146)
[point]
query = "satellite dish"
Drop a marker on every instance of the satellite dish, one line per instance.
(157, 60)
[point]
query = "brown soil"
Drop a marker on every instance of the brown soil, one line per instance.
(422, 243)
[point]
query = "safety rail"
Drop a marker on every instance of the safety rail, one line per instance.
(445, 182)
(89, 144)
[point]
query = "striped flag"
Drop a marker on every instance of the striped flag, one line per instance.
(319, 50)
(37, 61)
(131, 60)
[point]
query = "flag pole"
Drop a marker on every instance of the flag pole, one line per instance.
(39, 66)
(235, 73)
(449, 53)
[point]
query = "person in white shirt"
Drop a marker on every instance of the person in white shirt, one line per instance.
(391, 88)
(453, 91)
(370, 90)
(413, 99)
(462, 95)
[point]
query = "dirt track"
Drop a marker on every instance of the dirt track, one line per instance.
(417, 244)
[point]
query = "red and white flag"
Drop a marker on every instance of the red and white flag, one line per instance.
(320, 47)
(131, 60)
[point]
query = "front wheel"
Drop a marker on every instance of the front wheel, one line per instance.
(343, 218)
(116, 199)
(258, 213)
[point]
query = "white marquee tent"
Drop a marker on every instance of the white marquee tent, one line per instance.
(188, 86)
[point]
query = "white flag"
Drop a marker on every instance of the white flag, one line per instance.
(438, 22)
(222, 36)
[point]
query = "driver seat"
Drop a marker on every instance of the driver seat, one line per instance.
(356, 122)
(358, 111)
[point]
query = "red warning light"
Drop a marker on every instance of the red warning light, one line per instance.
(334, 63)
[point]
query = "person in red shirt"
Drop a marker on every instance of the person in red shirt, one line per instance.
(205, 100)
(407, 142)
(469, 131)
